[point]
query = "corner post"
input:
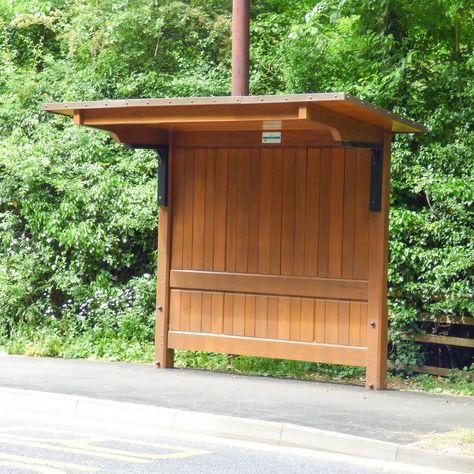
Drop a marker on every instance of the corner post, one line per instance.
(376, 376)
(164, 355)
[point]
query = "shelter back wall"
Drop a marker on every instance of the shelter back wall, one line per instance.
(270, 242)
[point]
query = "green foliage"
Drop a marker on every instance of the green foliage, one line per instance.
(78, 213)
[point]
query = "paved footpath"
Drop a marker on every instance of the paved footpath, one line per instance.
(399, 417)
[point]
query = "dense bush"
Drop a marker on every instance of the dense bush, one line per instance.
(78, 213)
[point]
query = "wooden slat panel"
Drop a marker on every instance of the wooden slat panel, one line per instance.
(332, 322)
(275, 242)
(272, 315)
(319, 320)
(195, 316)
(188, 209)
(355, 323)
(270, 284)
(250, 314)
(343, 324)
(261, 316)
(220, 209)
(295, 319)
(217, 318)
(184, 320)
(198, 208)
(243, 201)
(238, 316)
(300, 213)
(175, 310)
(288, 212)
(232, 196)
(228, 313)
(209, 211)
(269, 348)
(206, 318)
(284, 309)
(324, 213)
(349, 213)
(178, 209)
(265, 217)
(336, 214)
(361, 233)
(364, 322)
(312, 212)
(254, 210)
(307, 319)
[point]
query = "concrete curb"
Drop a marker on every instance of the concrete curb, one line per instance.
(268, 432)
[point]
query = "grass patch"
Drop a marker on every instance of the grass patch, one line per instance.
(459, 441)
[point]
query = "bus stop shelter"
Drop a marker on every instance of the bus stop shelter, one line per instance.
(273, 222)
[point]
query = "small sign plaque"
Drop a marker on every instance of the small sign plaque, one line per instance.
(271, 137)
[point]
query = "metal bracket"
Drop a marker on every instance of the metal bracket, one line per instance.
(162, 169)
(376, 172)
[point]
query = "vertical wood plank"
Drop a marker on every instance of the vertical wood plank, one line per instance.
(209, 207)
(284, 311)
(336, 213)
(243, 195)
(319, 320)
(312, 212)
(364, 323)
(307, 319)
(232, 210)
(261, 316)
(362, 230)
(206, 312)
(332, 322)
(188, 208)
(265, 218)
(376, 374)
(272, 320)
(178, 209)
(228, 312)
(175, 310)
(288, 211)
(196, 311)
(295, 319)
(254, 210)
(198, 208)
(185, 311)
(217, 318)
(343, 323)
(324, 209)
(300, 212)
(164, 355)
(250, 314)
(238, 316)
(349, 213)
(275, 242)
(220, 209)
(355, 325)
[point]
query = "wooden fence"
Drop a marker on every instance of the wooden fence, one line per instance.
(466, 342)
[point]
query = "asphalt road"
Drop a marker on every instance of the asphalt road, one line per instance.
(53, 445)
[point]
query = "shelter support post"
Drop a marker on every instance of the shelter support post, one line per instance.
(376, 376)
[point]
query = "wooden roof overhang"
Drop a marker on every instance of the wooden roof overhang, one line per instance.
(323, 117)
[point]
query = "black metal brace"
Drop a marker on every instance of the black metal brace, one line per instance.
(376, 172)
(162, 169)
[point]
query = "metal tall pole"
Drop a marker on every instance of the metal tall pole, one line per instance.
(240, 46)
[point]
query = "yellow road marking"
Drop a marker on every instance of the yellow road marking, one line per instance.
(30, 467)
(47, 462)
(85, 446)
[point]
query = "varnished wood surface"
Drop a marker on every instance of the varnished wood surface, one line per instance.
(268, 316)
(332, 354)
(340, 103)
(331, 288)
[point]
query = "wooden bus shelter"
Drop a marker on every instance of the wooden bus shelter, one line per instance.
(273, 222)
